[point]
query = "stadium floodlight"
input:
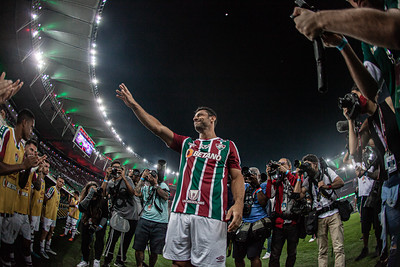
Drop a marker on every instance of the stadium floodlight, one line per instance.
(328, 160)
(39, 56)
(34, 33)
(102, 108)
(104, 114)
(144, 160)
(94, 45)
(92, 51)
(99, 100)
(177, 173)
(168, 171)
(95, 81)
(34, 16)
(343, 153)
(98, 19)
(108, 123)
(155, 166)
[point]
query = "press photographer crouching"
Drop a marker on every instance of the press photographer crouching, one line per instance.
(320, 181)
(280, 184)
(152, 225)
(94, 209)
(124, 216)
(255, 228)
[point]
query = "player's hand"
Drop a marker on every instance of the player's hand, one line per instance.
(331, 39)
(125, 95)
(236, 212)
(30, 161)
(307, 23)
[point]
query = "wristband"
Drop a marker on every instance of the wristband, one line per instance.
(342, 44)
(298, 179)
(141, 178)
(287, 171)
(329, 186)
(101, 226)
(257, 191)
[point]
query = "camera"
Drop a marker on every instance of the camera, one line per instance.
(246, 172)
(274, 172)
(152, 173)
(303, 166)
(98, 192)
(136, 172)
(114, 172)
(352, 103)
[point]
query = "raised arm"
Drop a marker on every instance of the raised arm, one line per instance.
(366, 24)
(145, 118)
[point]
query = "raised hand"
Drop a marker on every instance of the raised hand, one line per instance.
(8, 88)
(125, 95)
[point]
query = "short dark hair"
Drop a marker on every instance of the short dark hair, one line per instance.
(115, 162)
(31, 142)
(24, 115)
(76, 192)
(311, 157)
(210, 112)
(60, 177)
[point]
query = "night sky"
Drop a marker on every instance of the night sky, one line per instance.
(245, 59)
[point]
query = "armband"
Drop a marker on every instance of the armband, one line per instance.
(342, 44)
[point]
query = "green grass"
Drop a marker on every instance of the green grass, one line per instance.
(69, 253)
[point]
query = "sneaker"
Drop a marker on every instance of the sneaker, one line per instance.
(96, 263)
(51, 251)
(44, 254)
(266, 256)
(71, 239)
(83, 264)
(119, 264)
(312, 239)
(62, 235)
(363, 254)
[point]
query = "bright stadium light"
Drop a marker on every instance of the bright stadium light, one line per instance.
(108, 123)
(34, 33)
(95, 81)
(144, 160)
(155, 166)
(99, 100)
(168, 171)
(104, 114)
(328, 160)
(98, 19)
(94, 45)
(34, 16)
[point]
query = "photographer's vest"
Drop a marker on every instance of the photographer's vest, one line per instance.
(37, 200)
(71, 212)
(24, 196)
(52, 205)
(13, 154)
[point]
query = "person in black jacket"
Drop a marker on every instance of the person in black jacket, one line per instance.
(93, 205)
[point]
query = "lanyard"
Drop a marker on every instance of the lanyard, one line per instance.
(381, 134)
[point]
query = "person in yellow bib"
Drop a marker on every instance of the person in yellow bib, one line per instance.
(22, 206)
(52, 200)
(14, 170)
(73, 216)
(37, 201)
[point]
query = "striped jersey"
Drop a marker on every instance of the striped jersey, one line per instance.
(10, 153)
(203, 175)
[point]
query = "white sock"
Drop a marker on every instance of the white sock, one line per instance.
(48, 243)
(28, 259)
(42, 245)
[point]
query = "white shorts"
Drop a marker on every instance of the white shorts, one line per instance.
(22, 225)
(71, 221)
(47, 223)
(8, 231)
(35, 223)
(198, 239)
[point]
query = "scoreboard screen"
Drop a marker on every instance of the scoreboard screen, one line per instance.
(83, 141)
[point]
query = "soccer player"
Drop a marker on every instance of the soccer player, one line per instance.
(14, 170)
(73, 216)
(37, 201)
(52, 200)
(201, 197)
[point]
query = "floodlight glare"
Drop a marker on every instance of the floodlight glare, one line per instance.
(108, 122)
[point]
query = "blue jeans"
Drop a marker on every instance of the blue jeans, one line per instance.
(393, 225)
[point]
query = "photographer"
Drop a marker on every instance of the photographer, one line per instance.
(280, 185)
(320, 182)
(94, 208)
(153, 223)
(367, 170)
(123, 211)
(255, 228)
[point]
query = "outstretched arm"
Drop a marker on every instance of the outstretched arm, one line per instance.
(145, 118)
(366, 24)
